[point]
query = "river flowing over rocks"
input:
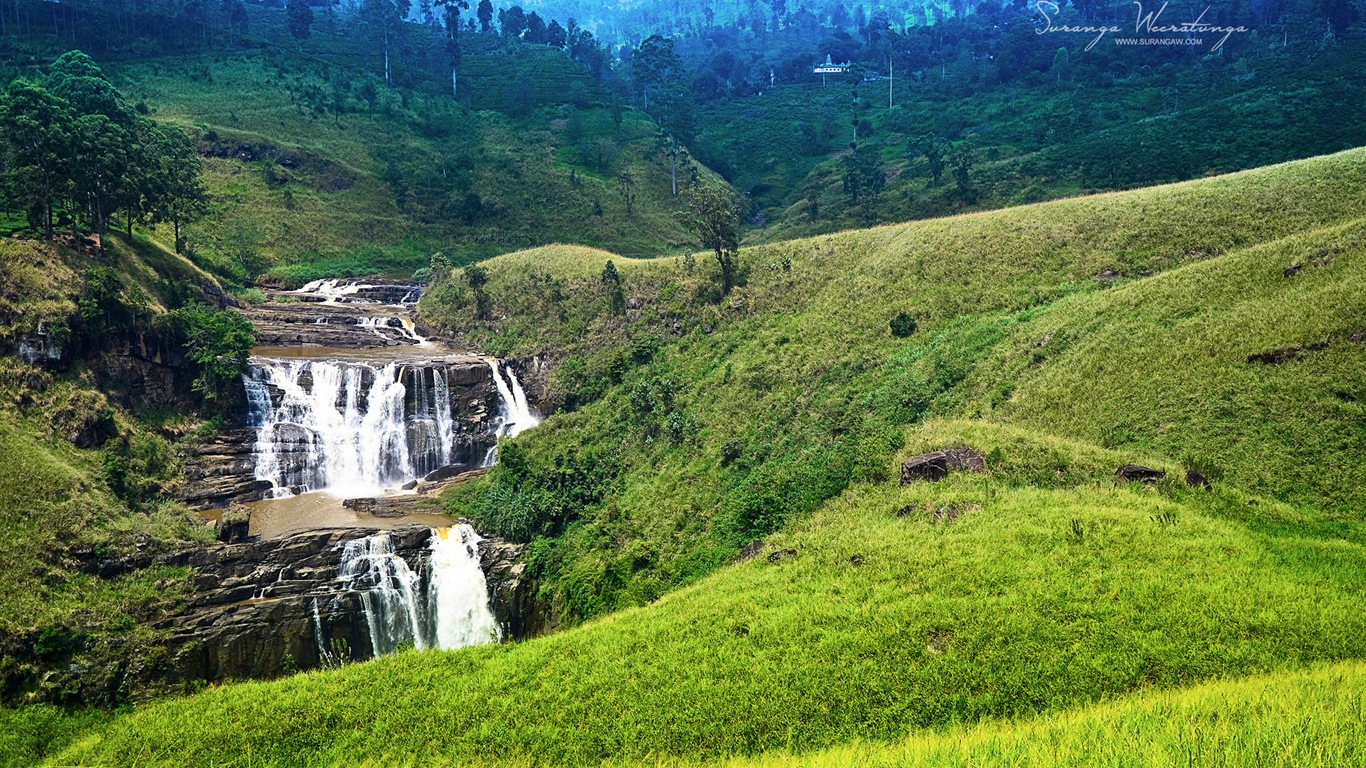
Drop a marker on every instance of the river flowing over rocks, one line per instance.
(333, 546)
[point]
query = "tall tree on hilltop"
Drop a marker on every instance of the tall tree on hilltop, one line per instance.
(485, 14)
(535, 29)
(555, 35)
(386, 16)
(454, 55)
(655, 65)
(100, 158)
(713, 214)
(674, 113)
(180, 197)
(36, 128)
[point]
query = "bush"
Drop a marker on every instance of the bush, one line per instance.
(903, 325)
(216, 342)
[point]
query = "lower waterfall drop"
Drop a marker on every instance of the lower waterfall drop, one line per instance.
(442, 605)
(458, 594)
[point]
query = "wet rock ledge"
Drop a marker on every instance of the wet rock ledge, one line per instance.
(252, 612)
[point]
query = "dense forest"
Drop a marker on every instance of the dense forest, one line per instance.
(929, 108)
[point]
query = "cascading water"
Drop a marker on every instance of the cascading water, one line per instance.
(362, 429)
(442, 605)
(331, 289)
(457, 596)
(516, 414)
(351, 428)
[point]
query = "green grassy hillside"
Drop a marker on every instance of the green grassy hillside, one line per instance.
(1041, 585)
(1286, 720)
(1044, 591)
(316, 171)
(693, 425)
(83, 473)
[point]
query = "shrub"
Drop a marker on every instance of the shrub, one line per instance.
(217, 343)
(903, 325)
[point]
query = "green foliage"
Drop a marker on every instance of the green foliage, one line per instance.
(139, 467)
(75, 147)
(611, 285)
(798, 389)
(864, 181)
(109, 305)
(902, 325)
(217, 342)
(712, 212)
(990, 613)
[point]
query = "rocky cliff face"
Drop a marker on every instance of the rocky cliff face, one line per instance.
(265, 608)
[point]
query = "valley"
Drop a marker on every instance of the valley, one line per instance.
(653, 384)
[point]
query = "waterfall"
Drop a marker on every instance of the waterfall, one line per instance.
(458, 596)
(388, 589)
(446, 606)
(351, 428)
(331, 290)
(515, 414)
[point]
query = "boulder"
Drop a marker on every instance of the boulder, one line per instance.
(1196, 480)
(782, 554)
(932, 467)
(750, 550)
(1139, 473)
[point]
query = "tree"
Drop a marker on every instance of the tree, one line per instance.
(453, 53)
(611, 285)
(864, 180)
(100, 160)
(37, 128)
(236, 13)
(813, 199)
(961, 158)
(712, 212)
(535, 29)
(476, 277)
(386, 16)
(300, 20)
(485, 14)
(514, 22)
(555, 35)
(626, 185)
(932, 148)
(654, 64)
(181, 197)
(674, 113)
(217, 342)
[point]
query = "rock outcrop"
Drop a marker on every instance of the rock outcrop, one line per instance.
(264, 608)
(1136, 473)
(933, 467)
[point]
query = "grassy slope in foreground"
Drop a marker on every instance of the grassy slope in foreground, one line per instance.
(1286, 720)
(1040, 586)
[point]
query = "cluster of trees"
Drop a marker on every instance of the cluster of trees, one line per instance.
(75, 153)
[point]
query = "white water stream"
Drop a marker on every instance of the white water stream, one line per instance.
(352, 429)
(444, 605)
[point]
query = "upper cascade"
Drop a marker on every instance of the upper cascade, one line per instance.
(359, 429)
(340, 314)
